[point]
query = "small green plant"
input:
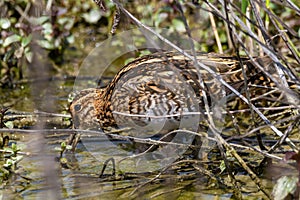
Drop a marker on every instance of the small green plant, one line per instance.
(63, 147)
(9, 160)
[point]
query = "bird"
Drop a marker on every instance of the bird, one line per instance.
(157, 94)
(152, 93)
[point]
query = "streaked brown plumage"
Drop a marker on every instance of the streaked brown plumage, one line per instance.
(158, 85)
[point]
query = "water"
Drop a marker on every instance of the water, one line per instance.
(42, 103)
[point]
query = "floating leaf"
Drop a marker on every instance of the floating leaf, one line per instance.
(5, 23)
(11, 39)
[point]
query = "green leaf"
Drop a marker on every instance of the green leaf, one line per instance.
(68, 147)
(268, 3)
(63, 161)
(179, 25)
(58, 149)
(26, 40)
(48, 30)
(11, 39)
(18, 158)
(9, 124)
(4, 172)
(63, 20)
(245, 4)
(8, 55)
(8, 163)
(128, 60)
(69, 24)
(222, 166)
(15, 148)
(46, 44)
(71, 39)
(40, 20)
(66, 22)
(63, 145)
(5, 23)
(28, 54)
(93, 16)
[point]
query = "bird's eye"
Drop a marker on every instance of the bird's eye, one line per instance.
(77, 107)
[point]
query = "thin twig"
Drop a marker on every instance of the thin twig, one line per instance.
(282, 139)
(214, 28)
(105, 165)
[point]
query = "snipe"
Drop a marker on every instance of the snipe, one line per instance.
(158, 85)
